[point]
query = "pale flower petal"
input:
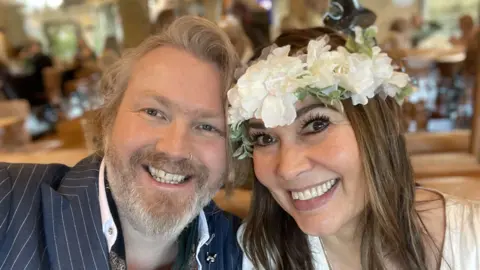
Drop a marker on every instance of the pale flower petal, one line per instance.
(358, 34)
(359, 99)
(278, 111)
(281, 51)
(316, 48)
(234, 97)
(234, 116)
(272, 111)
(399, 79)
(390, 89)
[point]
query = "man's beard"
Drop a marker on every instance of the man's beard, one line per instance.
(161, 213)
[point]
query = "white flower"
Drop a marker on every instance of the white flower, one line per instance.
(356, 73)
(236, 113)
(316, 49)
(278, 111)
(268, 85)
(399, 79)
(322, 70)
(358, 34)
(395, 83)
(381, 67)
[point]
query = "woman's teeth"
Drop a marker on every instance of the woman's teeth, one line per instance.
(164, 177)
(314, 192)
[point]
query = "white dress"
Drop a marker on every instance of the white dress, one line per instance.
(461, 250)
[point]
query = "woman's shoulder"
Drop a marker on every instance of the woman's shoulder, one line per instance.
(246, 263)
(240, 232)
(454, 224)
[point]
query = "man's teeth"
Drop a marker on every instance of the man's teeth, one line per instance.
(164, 177)
(314, 192)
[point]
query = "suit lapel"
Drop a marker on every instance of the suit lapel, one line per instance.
(72, 218)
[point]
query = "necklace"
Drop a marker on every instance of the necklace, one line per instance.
(326, 255)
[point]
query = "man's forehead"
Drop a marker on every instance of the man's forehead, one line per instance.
(193, 110)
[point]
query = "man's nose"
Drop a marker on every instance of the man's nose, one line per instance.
(174, 140)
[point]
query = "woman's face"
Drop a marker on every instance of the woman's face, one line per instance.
(312, 168)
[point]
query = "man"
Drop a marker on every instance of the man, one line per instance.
(145, 202)
(39, 61)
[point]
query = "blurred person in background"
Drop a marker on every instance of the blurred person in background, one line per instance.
(255, 23)
(85, 55)
(19, 61)
(111, 53)
(3, 47)
(468, 29)
(399, 37)
(422, 30)
(164, 19)
(39, 61)
(239, 39)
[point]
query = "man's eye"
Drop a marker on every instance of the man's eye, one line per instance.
(154, 113)
(151, 112)
(208, 128)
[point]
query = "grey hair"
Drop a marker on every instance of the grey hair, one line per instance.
(198, 36)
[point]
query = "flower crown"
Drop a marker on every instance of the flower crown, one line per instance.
(271, 86)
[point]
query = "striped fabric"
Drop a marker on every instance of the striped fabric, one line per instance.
(50, 219)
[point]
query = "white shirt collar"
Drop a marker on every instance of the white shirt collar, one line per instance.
(110, 230)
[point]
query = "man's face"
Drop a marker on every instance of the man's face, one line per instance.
(166, 153)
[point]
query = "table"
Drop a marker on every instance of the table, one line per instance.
(9, 120)
(68, 157)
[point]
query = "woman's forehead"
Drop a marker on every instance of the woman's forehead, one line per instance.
(310, 100)
(302, 107)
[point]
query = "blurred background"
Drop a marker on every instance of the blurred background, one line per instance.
(53, 53)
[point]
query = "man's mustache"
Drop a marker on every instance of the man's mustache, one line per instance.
(161, 160)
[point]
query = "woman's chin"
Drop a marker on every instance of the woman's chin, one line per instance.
(317, 227)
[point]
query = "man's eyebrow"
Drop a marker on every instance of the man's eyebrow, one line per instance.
(194, 113)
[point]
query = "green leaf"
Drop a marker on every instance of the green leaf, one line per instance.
(238, 152)
(370, 33)
(366, 50)
(351, 45)
(301, 94)
(335, 94)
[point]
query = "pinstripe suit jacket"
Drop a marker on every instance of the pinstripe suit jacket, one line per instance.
(50, 219)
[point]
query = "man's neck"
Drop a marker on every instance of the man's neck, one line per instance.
(148, 252)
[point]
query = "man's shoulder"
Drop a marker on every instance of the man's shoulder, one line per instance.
(217, 217)
(223, 228)
(21, 175)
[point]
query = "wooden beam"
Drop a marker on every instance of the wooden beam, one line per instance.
(135, 21)
(475, 138)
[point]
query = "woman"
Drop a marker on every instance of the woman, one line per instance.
(334, 186)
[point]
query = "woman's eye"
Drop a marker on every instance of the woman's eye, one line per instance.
(262, 140)
(316, 125)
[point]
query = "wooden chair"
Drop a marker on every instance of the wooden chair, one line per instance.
(14, 114)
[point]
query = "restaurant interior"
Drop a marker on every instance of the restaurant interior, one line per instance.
(53, 54)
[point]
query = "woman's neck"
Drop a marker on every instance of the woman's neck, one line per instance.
(343, 248)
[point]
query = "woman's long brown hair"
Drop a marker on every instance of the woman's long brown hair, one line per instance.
(391, 230)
